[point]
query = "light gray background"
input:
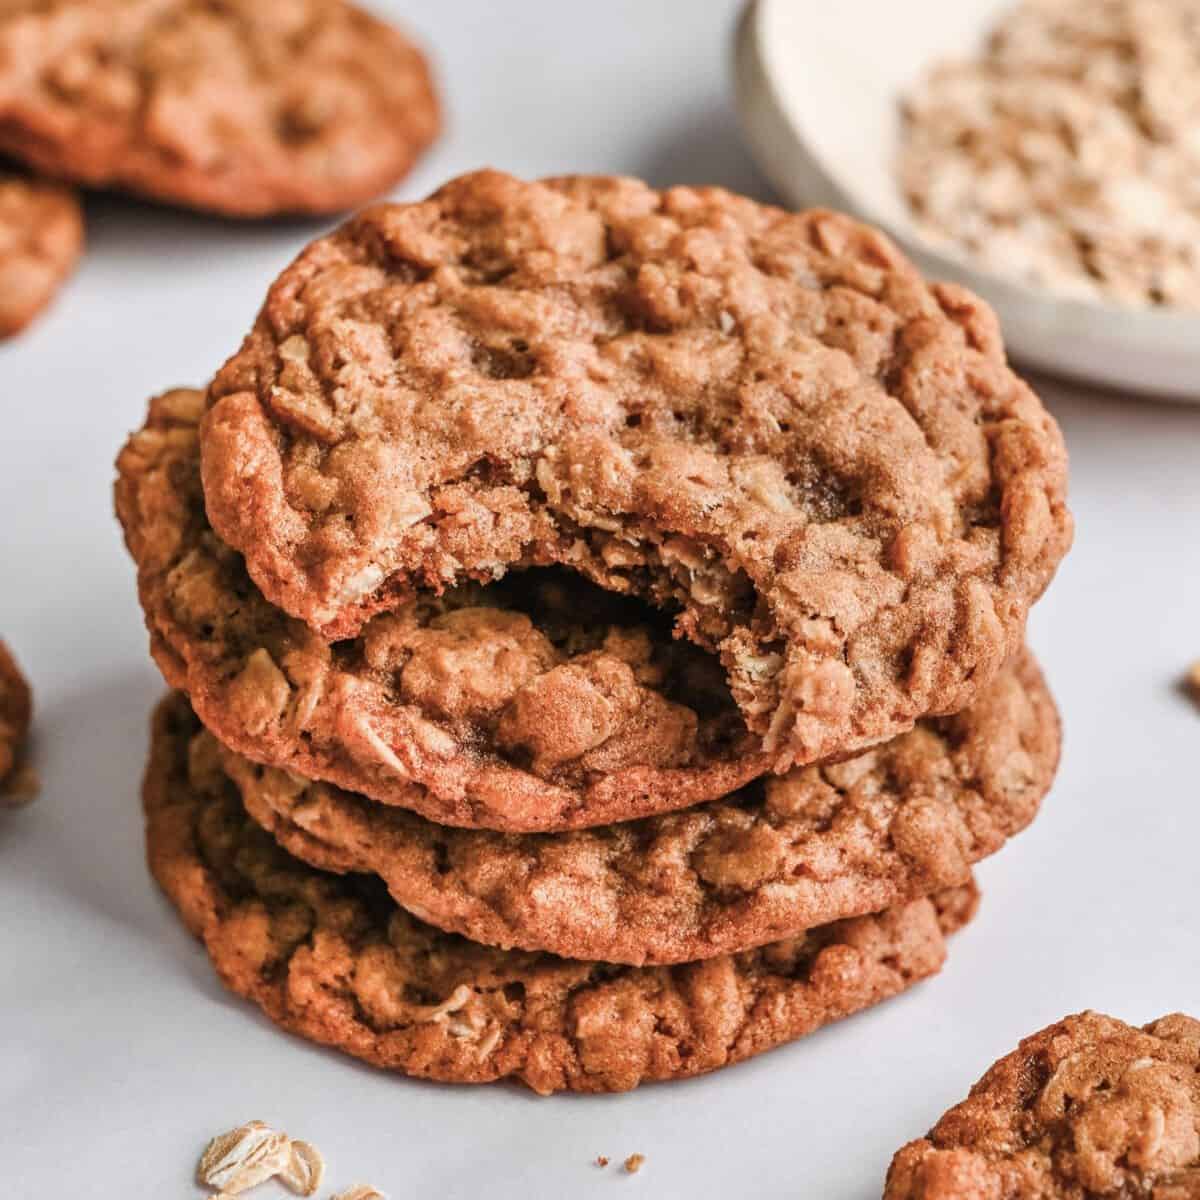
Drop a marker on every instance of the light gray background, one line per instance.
(119, 1052)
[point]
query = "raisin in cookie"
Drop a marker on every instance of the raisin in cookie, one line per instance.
(765, 423)
(237, 106)
(334, 960)
(17, 782)
(41, 238)
(540, 702)
(1088, 1109)
(819, 845)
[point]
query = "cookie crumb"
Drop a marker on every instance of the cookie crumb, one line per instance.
(633, 1164)
(1192, 681)
(362, 1191)
(601, 1160)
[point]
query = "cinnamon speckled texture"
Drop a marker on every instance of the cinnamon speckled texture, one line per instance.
(1088, 1109)
(334, 960)
(239, 106)
(820, 845)
(41, 238)
(541, 702)
(766, 423)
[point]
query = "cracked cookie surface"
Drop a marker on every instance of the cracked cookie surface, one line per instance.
(1088, 1109)
(41, 238)
(782, 856)
(16, 712)
(541, 702)
(235, 106)
(332, 959)
(765, 423)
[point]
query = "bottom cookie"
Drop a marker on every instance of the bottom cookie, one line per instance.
(1087, 1109)
(335, 960)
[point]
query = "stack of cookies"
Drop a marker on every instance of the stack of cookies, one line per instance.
(597, 621)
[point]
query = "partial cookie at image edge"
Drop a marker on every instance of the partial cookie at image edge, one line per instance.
(41, 239)
(242, 110)
(1089, 1106)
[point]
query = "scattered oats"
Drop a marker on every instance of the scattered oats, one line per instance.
(633, 1164)
(364, 1191)
(305, 1169)
(244, 1157)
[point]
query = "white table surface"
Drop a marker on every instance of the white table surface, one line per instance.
(120, 1053)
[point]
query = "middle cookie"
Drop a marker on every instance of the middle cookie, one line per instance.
(782, 856)
(541, 702)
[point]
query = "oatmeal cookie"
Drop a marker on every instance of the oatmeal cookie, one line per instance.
(41, 238)
(765, 423)
(332, 959)
(1088, 1109)
(235, 106)
(16, 711)
(540, 702)
(819, 845)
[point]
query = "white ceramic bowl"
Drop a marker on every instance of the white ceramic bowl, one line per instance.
(818, 83)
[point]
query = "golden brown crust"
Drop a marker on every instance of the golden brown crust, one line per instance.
(1088, 1109)
(16, 712)
(332, 959)
(764, 422)
(41, 238)
(238, 106)
(820, 845)
(547, 705)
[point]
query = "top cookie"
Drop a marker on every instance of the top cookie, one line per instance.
(1088, 1108)
(764, 422)
(238, 106)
